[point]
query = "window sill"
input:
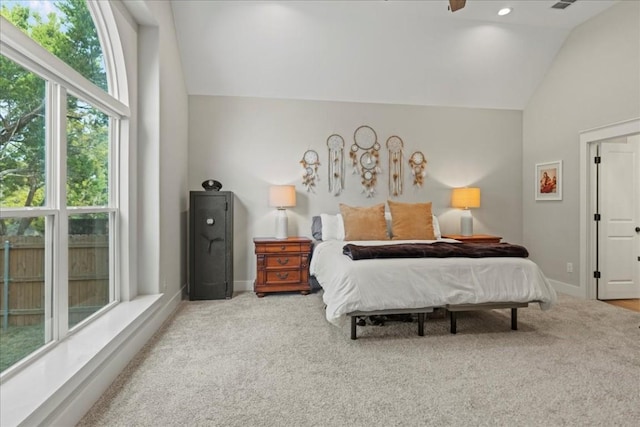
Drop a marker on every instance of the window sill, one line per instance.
(32, 395)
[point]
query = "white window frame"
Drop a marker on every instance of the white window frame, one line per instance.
(62, 79)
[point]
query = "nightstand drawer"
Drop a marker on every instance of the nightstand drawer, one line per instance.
(283, 261)
(282, 247)
(283, 276)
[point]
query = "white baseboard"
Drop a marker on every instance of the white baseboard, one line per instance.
(567, 288)
(75, 392)
(242, 285)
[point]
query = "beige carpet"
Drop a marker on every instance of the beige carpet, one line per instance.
(276, 361)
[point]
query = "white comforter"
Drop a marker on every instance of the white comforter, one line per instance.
(381, 284)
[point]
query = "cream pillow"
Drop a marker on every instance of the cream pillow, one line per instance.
(411, 221)
(436, 227)
(364, 223)
(332, 227)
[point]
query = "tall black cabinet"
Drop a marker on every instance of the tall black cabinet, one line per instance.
(210, 245)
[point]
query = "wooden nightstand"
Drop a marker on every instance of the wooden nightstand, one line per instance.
(476, 238)
(282, 265)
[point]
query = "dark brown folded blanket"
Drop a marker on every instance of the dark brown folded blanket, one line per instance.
(435, 250)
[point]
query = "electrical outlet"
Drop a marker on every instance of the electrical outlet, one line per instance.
(569, 267)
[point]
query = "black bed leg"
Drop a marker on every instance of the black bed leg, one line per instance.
(353, 327)
(452, 314)
(514, 319)
(421, 324)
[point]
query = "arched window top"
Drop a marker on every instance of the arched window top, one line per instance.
(66, 29)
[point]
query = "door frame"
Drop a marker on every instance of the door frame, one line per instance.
(587, 200)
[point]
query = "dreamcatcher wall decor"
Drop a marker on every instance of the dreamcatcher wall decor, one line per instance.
(310, 162)
(396, 175)
(335, 144)
(418, 162)
(368, 164)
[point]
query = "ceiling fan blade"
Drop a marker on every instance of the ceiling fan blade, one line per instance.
(456, 4)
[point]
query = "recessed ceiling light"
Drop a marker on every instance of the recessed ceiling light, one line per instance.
(504, 11)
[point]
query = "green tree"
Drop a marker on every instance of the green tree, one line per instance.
(72, 37)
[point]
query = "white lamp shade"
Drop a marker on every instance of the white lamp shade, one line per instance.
(282, 196)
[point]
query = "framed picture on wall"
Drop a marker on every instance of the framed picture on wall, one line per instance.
(549, 181)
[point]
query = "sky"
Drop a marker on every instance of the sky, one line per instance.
(44, 7)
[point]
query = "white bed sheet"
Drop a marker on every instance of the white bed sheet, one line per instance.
(382, 284)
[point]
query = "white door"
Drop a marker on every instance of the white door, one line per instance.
(618, 234)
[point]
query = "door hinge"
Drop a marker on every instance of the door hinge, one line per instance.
(596, 217)
(597, 160)
(596, 274)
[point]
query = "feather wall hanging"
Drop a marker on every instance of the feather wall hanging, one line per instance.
(418, 162)
(310, 162)
(353, 155)
(396, 175)
(366, 139)
(335, 144)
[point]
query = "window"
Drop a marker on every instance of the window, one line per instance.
(59, 145)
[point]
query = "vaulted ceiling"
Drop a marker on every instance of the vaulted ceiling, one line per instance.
(402, 52)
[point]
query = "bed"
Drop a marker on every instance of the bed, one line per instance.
(354, 288)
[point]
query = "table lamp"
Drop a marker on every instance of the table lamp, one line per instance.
(282, 197)
(465, 198)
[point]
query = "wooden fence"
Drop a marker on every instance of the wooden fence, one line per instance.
(88, 278)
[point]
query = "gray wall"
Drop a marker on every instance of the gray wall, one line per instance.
(250, 143)
(162, 150)
(594, 81)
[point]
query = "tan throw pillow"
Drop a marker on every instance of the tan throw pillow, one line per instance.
(411, 221)
(364, 223)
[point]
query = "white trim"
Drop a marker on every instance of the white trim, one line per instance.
(101, 350)
(115, 280)
(592, 236)
(566, 288)
(112, 52)
(95, 384)
(614, 130)
(102, 29)
(50, 332)
(587, 240)
(243, 286)
(89, 210)
(26, 212)
(61, 243)
(126, 248)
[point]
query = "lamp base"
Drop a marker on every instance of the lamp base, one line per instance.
(466, 223)
(281, 224)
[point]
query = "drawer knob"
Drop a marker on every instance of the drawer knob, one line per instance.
(283, 261)
(282, 276)
(282, 248)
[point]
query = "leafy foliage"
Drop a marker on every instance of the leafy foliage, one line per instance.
(70, 35)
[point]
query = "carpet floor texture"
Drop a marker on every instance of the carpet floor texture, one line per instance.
(276, 361)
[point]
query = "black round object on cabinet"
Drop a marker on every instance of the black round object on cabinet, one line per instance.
(211, 185)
